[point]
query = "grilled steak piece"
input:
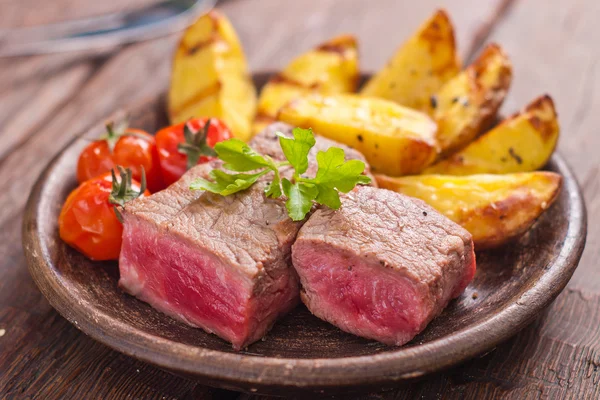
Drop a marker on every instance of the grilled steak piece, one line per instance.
(218, 263)
(383, 266)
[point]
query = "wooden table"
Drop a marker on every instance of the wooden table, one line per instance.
(46, 100)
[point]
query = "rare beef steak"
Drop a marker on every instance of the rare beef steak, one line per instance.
(383, 266)
(218, 263)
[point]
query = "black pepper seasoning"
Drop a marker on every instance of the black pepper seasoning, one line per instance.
(514, 155)
(433, 102)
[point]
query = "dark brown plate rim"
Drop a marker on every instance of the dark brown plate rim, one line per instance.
(384, 368)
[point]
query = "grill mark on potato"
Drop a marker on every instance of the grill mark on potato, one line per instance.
(262, 116)
(545, 128)
(198, 97)
(202, 44)
(214, 18)
(434, 35)
(544, 124)
(282, 79)
(341, 45)
(540, 103)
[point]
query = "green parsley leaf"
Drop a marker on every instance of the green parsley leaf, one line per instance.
(273, 189)
(226, 184)
(335, 173)
(328, 197)
(296, 150)
(240, 157)
(300, 198)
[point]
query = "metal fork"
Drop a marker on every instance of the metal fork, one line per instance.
(104, 31)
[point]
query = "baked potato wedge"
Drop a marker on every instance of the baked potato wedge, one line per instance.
(467, 104)
(210, 76)
(521, 143)
(420, 67)
(331, 67)
(493, 208)
(395, 140)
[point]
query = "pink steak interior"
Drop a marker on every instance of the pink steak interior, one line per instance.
(190, 284)
(362, 298)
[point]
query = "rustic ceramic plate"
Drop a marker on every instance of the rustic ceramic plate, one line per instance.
(513, 284)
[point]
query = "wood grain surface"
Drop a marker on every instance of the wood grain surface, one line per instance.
(46, 100)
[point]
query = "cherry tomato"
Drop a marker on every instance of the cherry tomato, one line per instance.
(88, 221)
(173, 161)
(133, 148)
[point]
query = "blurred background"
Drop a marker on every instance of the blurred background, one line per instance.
(45, 100)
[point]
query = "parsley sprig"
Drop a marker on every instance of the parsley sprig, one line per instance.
(334, 174)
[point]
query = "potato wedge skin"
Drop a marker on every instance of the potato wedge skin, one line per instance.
(521, 143)
(467, 104)
(395, 140)
(210, 76)
(419, 67)
(493, 208)
(331, 67)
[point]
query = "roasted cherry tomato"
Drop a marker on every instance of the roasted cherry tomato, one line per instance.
(88, 220)
(128, 147)
(184, 145)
